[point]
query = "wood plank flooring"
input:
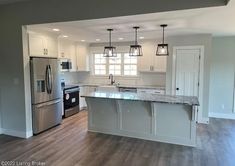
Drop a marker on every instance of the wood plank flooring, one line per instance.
(71, 144)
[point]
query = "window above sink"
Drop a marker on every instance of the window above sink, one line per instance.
(122, 65)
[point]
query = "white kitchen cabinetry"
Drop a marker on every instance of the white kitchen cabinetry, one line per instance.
(82, 52)
(67, 50)
(85, 90)
(149, 62)
(82, 102)
(151, 91)
(42, 45)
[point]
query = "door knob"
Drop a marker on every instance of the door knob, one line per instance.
(177, 89)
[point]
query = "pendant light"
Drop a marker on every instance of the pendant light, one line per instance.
(136, 50)
(162, 49)
(110, 51)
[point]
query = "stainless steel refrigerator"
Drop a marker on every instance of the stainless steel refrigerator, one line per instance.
(46, 93)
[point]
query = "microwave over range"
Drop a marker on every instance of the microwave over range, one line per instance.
(66, 65)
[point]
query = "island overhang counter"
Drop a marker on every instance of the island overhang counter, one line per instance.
(163, 118)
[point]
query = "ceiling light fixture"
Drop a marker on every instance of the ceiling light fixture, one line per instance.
(83, 40)
(120, 38)
(97, 39)
(110, 51)
(141, 37)
(65, 36)
(56, 29)
(136, 49)
(162, 49)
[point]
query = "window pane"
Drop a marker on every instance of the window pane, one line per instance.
(99, 59)
(129, 59)
(130, 69)
(115, 69)
(115, 60)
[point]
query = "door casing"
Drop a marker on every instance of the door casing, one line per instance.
(201, 76)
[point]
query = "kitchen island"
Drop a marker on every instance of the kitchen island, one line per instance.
(163, 118)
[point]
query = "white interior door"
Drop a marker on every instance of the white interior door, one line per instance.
(187, 72)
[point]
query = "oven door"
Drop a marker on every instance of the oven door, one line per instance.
(71, 102)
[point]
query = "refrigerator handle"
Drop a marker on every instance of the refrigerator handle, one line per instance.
(47, 80)
(50, 79)
(48, 103)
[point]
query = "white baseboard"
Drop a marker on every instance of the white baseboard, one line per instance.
(15, 133)
(221, 115)
(204, 120)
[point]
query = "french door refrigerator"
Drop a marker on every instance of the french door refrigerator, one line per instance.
(46, 93)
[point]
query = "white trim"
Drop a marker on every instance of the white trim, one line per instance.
(21, 134)
(234, 94)
(221, 115)
(27, 89)
(201, 77)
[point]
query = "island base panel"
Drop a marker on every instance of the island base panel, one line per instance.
(163, 122)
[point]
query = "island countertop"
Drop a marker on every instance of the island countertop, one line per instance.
(187, 100)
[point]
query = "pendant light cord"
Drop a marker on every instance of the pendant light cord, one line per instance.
(136, 36)
(110, 38)
(163, 34)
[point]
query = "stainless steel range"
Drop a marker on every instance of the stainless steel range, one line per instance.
(71, 100)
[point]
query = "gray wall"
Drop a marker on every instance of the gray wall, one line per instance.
(13, 16)
(191, 40)
(222, 75)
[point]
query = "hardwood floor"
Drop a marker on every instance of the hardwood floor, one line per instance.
(71, 144)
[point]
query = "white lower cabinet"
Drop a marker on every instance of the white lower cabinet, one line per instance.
(82, 102)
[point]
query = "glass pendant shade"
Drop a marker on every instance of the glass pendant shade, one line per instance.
(110, 51)
(136, 49)
(162, 49)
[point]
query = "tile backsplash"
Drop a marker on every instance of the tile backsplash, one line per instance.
(143, 79)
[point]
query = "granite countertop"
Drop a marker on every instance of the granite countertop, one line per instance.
(187, 100)
(126, 86)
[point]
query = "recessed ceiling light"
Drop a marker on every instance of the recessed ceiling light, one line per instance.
(64, 36)
(120, 38)
(141, 37)
(83, 40)
(56, 29)
(97, 39)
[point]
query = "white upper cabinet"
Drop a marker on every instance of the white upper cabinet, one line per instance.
(52, 46)
(82, 52)
(66, 48)
(78, 53)
(42, 45)
(149, 62)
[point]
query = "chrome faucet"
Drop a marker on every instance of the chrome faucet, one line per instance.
(112, 81)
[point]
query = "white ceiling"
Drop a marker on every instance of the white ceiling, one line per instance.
(218, 21)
